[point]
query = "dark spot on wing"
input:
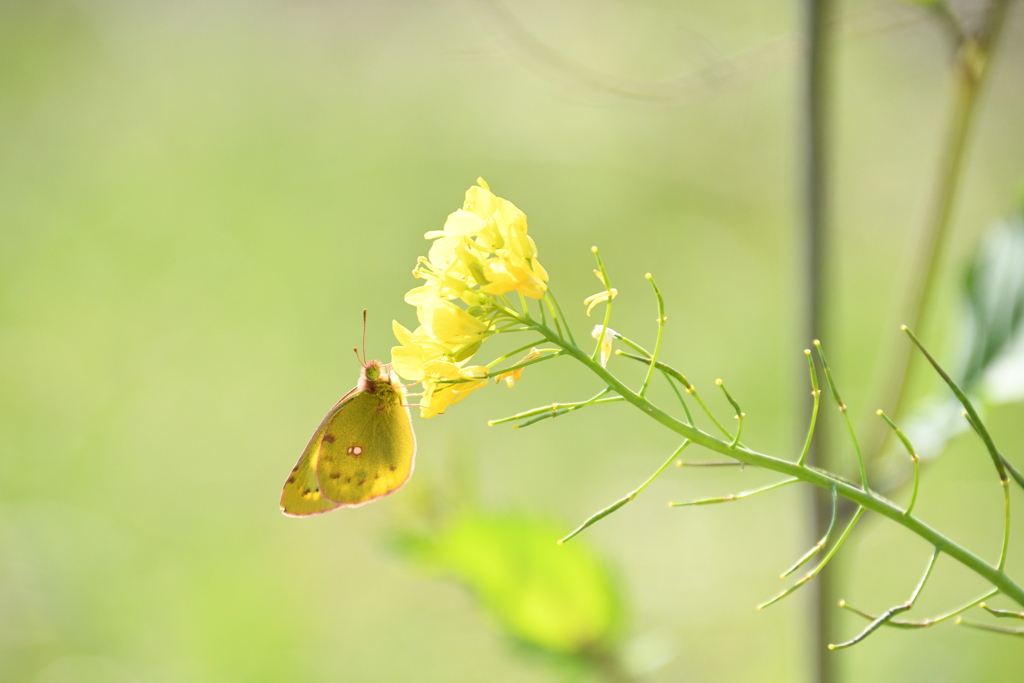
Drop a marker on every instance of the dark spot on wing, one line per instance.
(393, 468)
(328, 438)
(335, 476)
(361, 482)
(291, 479)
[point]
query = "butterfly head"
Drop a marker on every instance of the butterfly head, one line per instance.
(376, 378)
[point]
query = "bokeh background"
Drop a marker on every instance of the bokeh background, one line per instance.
(197, 200)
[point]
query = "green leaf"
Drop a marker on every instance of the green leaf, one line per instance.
(994, 292)
(561, 599)
(992, 338)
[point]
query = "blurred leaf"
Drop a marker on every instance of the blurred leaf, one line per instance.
(647, 653)
(561, 599)
(931, 428)
(992, 343)
(994, 290)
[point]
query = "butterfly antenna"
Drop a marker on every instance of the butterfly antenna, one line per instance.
(358, 358)
(364, 333)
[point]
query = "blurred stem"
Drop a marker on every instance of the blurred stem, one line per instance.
(973, 57)
(814, 99)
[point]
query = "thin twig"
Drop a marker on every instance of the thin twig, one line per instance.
(816, 396)
(734, 496)
(627, 498)
(887, 616)
(828, 556)
(820, 544)
(913, 457)
(925, 623)
(846, 415)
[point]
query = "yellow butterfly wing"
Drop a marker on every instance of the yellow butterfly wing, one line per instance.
(301, 495)
(368, 447)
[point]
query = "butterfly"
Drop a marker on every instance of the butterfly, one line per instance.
(363, 450)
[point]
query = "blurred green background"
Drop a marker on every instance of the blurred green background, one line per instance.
(197, 200)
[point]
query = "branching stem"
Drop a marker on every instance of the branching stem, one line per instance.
(896, 623)
(979, 427)
(690, 389)
(821, 565)
(825, 480)
(887, 616)
(736, 406)
(627, 498)
(820, 544)
(846, 416)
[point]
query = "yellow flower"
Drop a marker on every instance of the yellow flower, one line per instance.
(606, 342)
(416, 349)
(482, 252)
(451, 325)
(510, 272)
(447, 383)
(487, 245)
(512, 376)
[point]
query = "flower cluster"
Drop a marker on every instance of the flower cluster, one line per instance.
(482, 254)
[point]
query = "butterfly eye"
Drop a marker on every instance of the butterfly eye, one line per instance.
(372, 371)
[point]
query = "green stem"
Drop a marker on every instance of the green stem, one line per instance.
(735, 496)
(896, 623)
(736, 406)
(510, 368)
(820, 544)
(1003, 613)
(679, 395)
(990, 627)
(821, 565)
(608, 305)
(554, 314)
(563, 411)
(510, 354)
(627, 498)
(554, 407)
(982, 430)
(846, 415)
(887, 616)
(661, 332)
(913, 457)
(816, 399)
(558, 307)
(970, 69)
(665, 371)
(821, 479)
(690, 389)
